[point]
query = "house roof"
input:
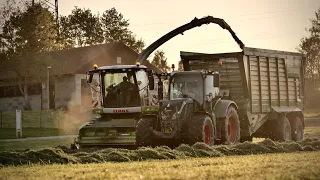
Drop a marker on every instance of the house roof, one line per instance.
(73, 60)
(80, 60)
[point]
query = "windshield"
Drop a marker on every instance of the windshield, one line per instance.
(187, 85)
(123, 88)
(120, 89)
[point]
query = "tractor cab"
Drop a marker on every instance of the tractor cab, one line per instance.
(202, 88)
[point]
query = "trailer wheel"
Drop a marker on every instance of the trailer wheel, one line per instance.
(230, 130)
(282, 130)
(297, 129)
(144, 136)
(201, 129)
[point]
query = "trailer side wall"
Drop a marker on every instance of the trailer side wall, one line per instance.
(275, 79)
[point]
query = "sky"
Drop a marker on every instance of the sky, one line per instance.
(268, 24)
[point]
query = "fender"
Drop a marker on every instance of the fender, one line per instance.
(203, 113)
(221, 107)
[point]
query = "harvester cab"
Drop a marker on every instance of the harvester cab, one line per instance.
(119, 95)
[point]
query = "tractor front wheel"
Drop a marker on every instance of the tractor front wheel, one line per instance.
(201, 129)
(144, 135)
(231, 127)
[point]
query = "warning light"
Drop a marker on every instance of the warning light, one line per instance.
(219, 62)
(138, 63)
(172, 66)
(95, 66)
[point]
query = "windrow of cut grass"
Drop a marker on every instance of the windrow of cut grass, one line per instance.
(64, 155)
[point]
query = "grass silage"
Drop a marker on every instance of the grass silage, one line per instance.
(64, 155)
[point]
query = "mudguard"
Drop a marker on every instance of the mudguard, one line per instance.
(221, 107)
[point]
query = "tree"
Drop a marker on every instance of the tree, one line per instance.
(160, 61)
(25, 36)
(80, 28)
(180, 67)
(9, 8)
(310, 47)
(116, 29)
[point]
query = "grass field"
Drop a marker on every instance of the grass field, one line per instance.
(272, 166)
(271, 161)
(309, 113)
(35, 144)
(9, 133)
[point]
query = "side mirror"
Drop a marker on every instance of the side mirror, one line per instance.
(89, 77)
(216, 80)
(151, 79)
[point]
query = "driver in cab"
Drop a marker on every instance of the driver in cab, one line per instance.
(190, 90)
(126, 89)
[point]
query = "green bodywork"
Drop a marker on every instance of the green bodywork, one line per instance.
(101, 132)
(150, 109)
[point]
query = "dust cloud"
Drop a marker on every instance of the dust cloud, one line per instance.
(76, 114)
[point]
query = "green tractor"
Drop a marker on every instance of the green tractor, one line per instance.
(121, 95)
(194, 105)
(190, 114)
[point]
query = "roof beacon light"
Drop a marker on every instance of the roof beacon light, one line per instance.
(95, 66)
(138, 63)
(172, 66)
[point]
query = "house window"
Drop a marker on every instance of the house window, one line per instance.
(10, 91)
(34, 89)
(14, 91)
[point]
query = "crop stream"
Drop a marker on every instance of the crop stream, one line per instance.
(64, 155)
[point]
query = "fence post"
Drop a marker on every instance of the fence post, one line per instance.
(18, 123)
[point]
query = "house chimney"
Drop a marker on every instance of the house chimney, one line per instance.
(118, 60)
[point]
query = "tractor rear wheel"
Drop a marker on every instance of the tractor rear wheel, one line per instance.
(144, 135)
(297, 129)
(282, 130)
(230, 130)
(201, 129)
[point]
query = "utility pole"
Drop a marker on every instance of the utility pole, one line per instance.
(56, 10)
(48, 86)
